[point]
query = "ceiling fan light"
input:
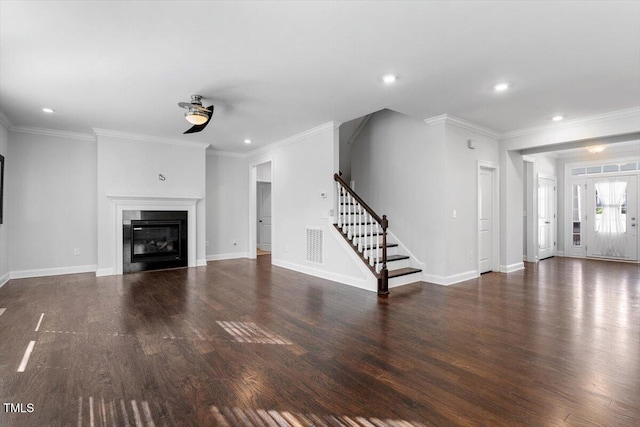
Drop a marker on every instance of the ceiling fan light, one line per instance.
(196, 117)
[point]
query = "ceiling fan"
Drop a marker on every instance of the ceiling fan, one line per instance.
(197, 115)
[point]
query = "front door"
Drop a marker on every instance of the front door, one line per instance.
(612, 212)
(546, 217)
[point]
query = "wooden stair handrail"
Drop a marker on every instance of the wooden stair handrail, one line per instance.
(383, 274)
(371, 212)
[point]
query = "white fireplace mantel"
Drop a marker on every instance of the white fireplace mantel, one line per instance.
(127, 202)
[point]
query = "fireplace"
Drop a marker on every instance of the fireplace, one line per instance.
(154, 240)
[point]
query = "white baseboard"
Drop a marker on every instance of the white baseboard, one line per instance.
(4, 279)
(347, 280)
(104, 272)
(512, 267)
(450, 280)
(201, 263)
(560, 253)
(22, 274)
(220, 257)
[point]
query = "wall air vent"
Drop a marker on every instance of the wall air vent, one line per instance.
(315, 245)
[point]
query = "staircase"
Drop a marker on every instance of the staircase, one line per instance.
(366, 233)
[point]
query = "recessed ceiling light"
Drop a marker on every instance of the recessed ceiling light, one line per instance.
(389, 78)
(247, 141)
(557, 118)
(501, 87)
(48, 110)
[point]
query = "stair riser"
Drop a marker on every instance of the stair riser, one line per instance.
(404, 280)
(354, 220)
(390, 251)
(355, 230)
(367, 240)
(396, 265)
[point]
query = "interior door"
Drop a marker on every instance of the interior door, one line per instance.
(264, 216)
(485, 220)
(546, 216)
(612, 211)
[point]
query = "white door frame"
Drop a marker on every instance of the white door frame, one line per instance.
(253, 206)
(555, 214)
(531, 210)
(495, 172)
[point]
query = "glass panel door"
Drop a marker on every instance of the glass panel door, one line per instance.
(611, 218)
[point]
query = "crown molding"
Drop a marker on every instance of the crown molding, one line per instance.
(146, 138)
(4, 120)
(52, 132)
(220, 153)
(463, 124)
(599, 118)
(295, 138)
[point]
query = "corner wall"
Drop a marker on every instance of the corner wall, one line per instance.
(418, 174)
(302, 169)
(4, 227)
(227, 207)
(50, 183)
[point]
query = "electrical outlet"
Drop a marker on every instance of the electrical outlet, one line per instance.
(207, 243)
(76, 251)
(233, 242)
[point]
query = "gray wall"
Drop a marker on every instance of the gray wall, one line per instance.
(227, 191)
(417, 175)
(52, 203)
(4, 227)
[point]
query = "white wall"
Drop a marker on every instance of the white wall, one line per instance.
(131, 167)
(4, 227)
(52, 204)
(228, 206)
(302, 168)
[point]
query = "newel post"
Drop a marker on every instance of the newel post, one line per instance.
(383, 281)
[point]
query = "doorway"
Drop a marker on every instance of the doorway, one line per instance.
(547, 211)
(263, 231)
(488, 212)
(611, 222)
(261, 216)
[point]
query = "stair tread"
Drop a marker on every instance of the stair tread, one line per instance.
(403, 272)
(392, 258)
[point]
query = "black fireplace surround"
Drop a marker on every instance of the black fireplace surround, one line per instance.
(154, 240)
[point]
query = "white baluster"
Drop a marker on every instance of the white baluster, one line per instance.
(345, 209)
(339, 207)
(370, 239)
(360, 236)
(375, 248)
(350, 217)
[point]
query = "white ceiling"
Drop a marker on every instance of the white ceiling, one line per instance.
(274, 69)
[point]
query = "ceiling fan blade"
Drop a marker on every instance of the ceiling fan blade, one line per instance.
(198, 128)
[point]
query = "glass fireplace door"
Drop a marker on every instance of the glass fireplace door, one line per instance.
(155, 239)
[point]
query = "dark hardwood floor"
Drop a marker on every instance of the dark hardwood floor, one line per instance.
(243, 343)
